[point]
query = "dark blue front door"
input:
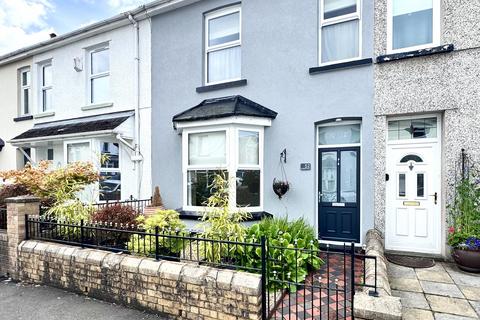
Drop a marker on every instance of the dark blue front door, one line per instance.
(339, 194)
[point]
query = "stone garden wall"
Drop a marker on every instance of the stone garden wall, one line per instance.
(173, 289)
(3, 253)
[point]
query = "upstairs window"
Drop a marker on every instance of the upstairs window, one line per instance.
(25, 91)
(413, 24)
(46, 87)
(99, 75)
(223, 45)
(339, 30)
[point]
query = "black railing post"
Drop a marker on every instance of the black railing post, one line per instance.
(81, 234)
(352, 275)
(156, 243)
(463, 164)
(263, 242)
(27, 235)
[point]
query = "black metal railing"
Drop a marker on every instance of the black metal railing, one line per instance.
(310, 282)
(3, 218)
(138, 205)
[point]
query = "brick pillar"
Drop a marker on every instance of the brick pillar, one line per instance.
(17, 208)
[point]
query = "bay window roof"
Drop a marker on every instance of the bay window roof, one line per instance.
(225, 107)
(83, 125)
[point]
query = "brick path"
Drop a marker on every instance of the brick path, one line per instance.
(324, 295)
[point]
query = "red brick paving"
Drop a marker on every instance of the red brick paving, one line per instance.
(324, 295)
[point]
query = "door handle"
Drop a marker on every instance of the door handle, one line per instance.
(435, 197)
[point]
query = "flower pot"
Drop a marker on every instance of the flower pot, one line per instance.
(280, 187)
(467, 260)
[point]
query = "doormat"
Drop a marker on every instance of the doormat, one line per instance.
(409, 261)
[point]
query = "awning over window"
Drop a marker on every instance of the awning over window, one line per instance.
(2, 144)
(225, 107)
(71, 127)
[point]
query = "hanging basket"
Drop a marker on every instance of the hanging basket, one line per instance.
(280, 187)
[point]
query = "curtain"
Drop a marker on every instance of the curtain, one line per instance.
(78, 152)
(248, 148)
(340, 41)
(207, 148)
(224, 64)
(413, 29)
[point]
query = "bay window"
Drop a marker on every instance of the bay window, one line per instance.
(235, 153)
(413, 24)
(223, 45)
(339, 30)
(111, 182)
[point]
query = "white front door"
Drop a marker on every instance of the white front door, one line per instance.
(413, 191)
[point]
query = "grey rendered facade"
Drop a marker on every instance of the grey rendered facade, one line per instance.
(279, 45)
(444, 84)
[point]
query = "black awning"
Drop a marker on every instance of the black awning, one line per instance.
(72, 126)
(225, 107)
(2, 144)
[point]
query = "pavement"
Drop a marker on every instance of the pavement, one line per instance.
(28, 302)
(442, 292)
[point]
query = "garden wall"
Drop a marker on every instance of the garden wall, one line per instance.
(3, 253)
(174, 289)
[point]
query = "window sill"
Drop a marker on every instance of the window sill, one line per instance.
(219, 86)
(23, 118)
(97, 106)
(341, 65)
(416, 53)
(44, 115)
(195, 215)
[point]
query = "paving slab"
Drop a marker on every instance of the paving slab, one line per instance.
(462, 278)
(471, 293)
(441, 289)
(414, 300)
(435, 274)
(412, 285)
(416, 314)
(476, 306)
(446, 316)
(397, 271)
(449, 305)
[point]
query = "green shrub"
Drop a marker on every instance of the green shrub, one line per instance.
(292, 252)
(168, 223)
(219, 222)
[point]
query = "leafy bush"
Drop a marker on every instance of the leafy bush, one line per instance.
(116, 214)
(168, 223)
(219, 222)
(44, 182)
(12, 190)
(464, 213)
(292, 249)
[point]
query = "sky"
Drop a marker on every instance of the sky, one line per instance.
(26, 22)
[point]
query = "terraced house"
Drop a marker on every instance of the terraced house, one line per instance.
(80, 96)
(426, 111)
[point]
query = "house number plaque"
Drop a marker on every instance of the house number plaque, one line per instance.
(305, 166)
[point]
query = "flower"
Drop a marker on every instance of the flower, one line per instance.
(473, 243)
(451, 230)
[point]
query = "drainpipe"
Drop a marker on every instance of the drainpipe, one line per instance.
(137, 158)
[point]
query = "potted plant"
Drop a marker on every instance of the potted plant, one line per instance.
(464, 230)
(157, 203)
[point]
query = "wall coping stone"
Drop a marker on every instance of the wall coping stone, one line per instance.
(149, 267)
(22, 199)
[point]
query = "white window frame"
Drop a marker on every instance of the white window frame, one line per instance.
(69, 142)
(43, 108)
(435, 29)
(92, 76)
(115, 170)
(345, 18)
(28, 87)
(231, 44)
(231, 166)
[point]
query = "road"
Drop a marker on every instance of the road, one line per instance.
(28, 302)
